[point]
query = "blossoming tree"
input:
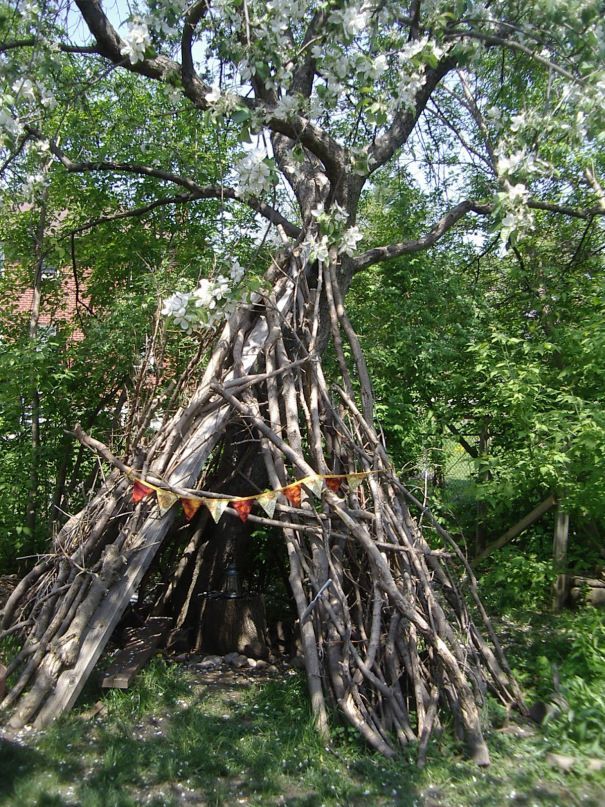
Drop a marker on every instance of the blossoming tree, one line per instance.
(333, 94)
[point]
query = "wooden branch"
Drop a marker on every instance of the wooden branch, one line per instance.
(134, 212)
(405, 120)
(196, 192)
(161, 68)
(493, 39)
(451, 218)
(437, 231)
(32, 41)
(517, 529)
(99, 448)
(193, 16)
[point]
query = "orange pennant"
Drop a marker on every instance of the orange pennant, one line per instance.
(139, 491)
(243, 508)
(190, 507)
(334, 483)
(293, 494)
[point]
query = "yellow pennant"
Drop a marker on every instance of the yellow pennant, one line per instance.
(216, 507)
(355, 480)
(166, 498)
(315, 485)
(268, 501)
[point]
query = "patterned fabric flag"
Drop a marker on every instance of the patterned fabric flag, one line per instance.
(139, 491)
(355, 480)
(292, 494)
(191, 506)
(166, 498)
(268, 502)
(243, 508)
(216, 507)
(315, 485)
(334, 483)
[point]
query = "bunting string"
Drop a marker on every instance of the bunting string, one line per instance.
(267, 499)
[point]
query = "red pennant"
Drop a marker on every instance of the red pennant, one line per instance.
(293, 494)
(190, 507)
(334, 483)
(139, 491)
(243, 508)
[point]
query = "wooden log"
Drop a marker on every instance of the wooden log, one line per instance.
(139, 648)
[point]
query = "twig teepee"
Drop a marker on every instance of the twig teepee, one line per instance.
(392, 640)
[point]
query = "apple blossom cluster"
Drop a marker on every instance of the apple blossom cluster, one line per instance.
(333, 233)
(254, 176)
(18, 100)
(518, 219)
(136, 41)
(211, 303)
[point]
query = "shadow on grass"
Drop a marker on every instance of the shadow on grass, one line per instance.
(174, 740)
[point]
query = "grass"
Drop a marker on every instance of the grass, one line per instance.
(174, 739)
(178, 737)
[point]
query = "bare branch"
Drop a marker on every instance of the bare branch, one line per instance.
(196, 192)
(436, 232)
(194, 15)
(451, 218)
(32, 42)
(493, 39)
(405, 119)
(182, 198)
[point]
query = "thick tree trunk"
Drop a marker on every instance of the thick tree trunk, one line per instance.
(387, 632)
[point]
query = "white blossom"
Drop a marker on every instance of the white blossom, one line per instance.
(378, 66)
(136, 42)
(518, 194)
(24, 89)
(9, 124)
(253, 174)
(237, 271)
(350, 239)
(286, 107)
(318, 249)
(513, 163)
(202, 296)
(213, 96)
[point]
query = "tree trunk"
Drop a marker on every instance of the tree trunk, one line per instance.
(34, 320)
(387, 632)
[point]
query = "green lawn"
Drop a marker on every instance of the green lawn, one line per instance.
(177, 738)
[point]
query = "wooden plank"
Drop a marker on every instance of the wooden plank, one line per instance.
(559, 550)
(140, 647)
(517, 529)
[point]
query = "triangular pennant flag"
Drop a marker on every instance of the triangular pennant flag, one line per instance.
(292, 494)
(355, 480)
(191, 506)
(334, 483)
(315, 485)
(216, 507)
(139, 491)
(243, 508)
(166, 498)
(268, 501)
